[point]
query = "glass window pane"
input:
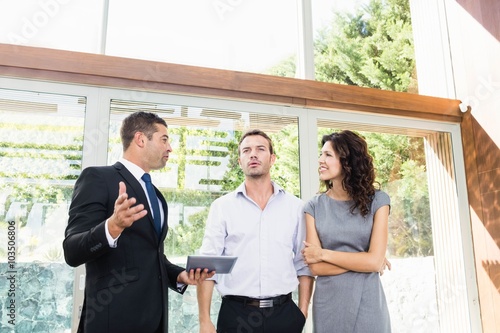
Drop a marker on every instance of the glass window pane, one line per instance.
(364, 43)
(202, 167)
(247, 36)
(400, 162)
(427, 286)
(64, 25)
(40, 158)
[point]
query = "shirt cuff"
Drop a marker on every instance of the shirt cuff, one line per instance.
(113, 242)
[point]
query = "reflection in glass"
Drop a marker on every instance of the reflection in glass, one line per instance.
(40, 158)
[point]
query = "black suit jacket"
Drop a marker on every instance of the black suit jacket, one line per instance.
(125, 287)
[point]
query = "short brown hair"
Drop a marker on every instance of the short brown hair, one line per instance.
(257, 132)
(144, 122)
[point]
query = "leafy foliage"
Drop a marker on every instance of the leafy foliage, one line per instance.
(400, 164)
(285, 172)
(234, 175)
(410, 230)
(371, 48)
(285, 68)
(185, 239)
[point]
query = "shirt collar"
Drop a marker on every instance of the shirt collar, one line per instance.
(134, 169)
(242, 189)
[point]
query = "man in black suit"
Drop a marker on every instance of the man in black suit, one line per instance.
(111, 229)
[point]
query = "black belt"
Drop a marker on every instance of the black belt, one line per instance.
(260, 303)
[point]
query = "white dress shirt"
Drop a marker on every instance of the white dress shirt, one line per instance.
(267, 243)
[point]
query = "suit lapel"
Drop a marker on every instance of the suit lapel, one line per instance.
(134, 189)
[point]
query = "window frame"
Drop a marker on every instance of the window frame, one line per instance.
(103, 78)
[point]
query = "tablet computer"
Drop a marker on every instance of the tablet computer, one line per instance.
(219, 264)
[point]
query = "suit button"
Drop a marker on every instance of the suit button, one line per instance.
(159, 277)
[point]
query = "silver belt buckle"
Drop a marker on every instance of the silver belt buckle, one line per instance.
(266, 303)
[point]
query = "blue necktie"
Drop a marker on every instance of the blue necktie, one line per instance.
(154, 202)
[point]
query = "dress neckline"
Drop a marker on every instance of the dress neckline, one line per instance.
(336, 200)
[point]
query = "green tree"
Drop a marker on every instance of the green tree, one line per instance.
(400, 164)
(234, 175)
(410, 231)
(286, 68)
(371, 48)
(285, 171)
(185, 239)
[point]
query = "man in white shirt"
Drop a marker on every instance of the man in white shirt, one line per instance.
(264, 227)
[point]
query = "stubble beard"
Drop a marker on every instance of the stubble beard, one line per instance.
(256, 173)
(159, 165)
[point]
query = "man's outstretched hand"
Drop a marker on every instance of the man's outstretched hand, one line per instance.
(125, 213)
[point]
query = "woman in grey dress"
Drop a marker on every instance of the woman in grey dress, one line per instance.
(347, 227)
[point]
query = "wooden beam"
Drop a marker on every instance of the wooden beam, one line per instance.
(117, 72)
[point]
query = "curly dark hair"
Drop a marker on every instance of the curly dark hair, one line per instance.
(357, 164)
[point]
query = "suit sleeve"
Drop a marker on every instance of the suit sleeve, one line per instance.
(85, 237)
(173, 271)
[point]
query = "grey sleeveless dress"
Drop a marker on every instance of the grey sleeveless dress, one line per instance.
(349, 302)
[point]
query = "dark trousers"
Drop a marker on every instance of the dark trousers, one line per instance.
(238, 317)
